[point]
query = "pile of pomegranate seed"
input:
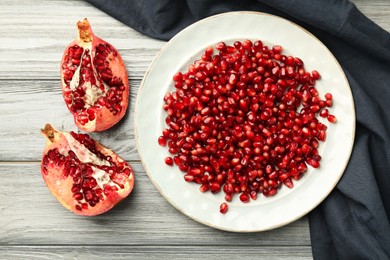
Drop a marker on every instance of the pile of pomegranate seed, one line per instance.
(245, 120)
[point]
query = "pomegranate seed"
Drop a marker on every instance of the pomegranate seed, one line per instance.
(221, 46)
(169, 161)
(178, 77)
(244, 120)
(313, 163)
(321, 135)
(324, 113)
(247, 44)
(228, 197)
(215, 187)
(162, 141)
(332, 119)
(272, 192)
(253, 194)
(328, 96)
(277, 49)
(204, 188)
(223, 208)
(329, 102)
(244, 197)
(315, 74)
(288, 183)
(189, 178)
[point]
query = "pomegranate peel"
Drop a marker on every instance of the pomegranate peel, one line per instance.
(85, 176)
(94, 81)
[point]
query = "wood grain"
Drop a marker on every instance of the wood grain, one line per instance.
(27, 105)
(32, 42)
(157, 252)
(34, 217)
(29, 34)
(377, 10)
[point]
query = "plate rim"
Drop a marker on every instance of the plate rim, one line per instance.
(286, 222)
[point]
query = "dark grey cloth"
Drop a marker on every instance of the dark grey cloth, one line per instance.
(353, 222)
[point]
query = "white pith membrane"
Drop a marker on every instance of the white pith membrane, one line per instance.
(92, 92)
(86, 156)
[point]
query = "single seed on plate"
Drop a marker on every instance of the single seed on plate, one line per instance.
(332, 118)
(223, 208)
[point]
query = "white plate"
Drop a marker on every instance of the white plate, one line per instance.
(264, 213)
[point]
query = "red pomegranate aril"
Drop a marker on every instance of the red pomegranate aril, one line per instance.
(277, 49)
(173, 150)
(329, 102)
(244, 197)
(178, 77)
(228, 197)
(223, 208)
(189, 177)
(313, 163)
(324, 113)
(204, 188)
(169, 161)
(162, 141)
(253, 194)
(221, 46)
(215, 187)
(245, 120)
(315, 74)
(332, 118)
(321, 135)
(288, 183)
(247, 44)
(328, 96)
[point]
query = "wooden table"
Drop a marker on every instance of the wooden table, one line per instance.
(33, 35)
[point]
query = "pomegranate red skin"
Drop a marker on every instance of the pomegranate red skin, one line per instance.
(103, 119)
(60, 186)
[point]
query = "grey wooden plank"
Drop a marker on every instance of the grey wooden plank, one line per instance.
(30, 215)
(26, 106)
(32, 42)
(157, 252)
(376, 10)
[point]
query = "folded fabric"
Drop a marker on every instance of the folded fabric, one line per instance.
(353, 221)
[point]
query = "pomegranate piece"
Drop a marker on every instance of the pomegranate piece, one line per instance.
(94, 81)
(86, 177)
(244, 119)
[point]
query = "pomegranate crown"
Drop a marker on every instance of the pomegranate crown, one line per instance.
(85, 31)
(48, 131)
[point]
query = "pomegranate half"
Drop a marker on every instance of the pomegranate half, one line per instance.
(86, 177)
(94, 81)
